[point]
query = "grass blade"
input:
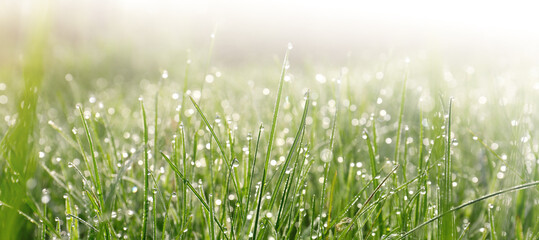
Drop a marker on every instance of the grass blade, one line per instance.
(223, 153)
(511, 189)
(194, 191)
(271, 138)
(360, 211)
(146, 206)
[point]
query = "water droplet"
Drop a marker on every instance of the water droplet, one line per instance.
(290, 46)
(320, 78)
(209, 78)
(134, 189)
(326, 155)
(289, 170)
(45, 199)
(235, 163)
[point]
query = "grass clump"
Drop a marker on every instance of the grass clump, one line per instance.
(362, 153)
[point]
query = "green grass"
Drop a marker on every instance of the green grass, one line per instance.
(376, 150)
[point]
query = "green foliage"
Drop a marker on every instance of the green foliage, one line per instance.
(359, 153)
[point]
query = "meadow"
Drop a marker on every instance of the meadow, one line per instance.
(387, 146)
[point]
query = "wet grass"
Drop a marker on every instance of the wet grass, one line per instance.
(368, 151)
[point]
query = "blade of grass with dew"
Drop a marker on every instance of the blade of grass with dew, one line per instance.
(291, 152)
(360, 211)
(184, 186)
(492, 224)
(72, 226)
(252, 172)
(497, 156)
(331, 150)
(271, 138)
(447, 222)
(507, 190)
(288, 188)
(173, 196)
(421, 202)
(464, 231)
(219, 144)
(99, 200)
(146, 204)
(212, 193)
(95, 173)
(397, 148)
(205, 205)
(372, 156)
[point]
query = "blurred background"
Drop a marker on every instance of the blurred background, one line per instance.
(321, 31)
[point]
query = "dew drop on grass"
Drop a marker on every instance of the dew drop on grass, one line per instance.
(134, 189)
(235, 163)
(326, 155)
(45, 199)
(289, 170)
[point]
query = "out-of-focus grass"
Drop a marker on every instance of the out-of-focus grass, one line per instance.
(18, 144)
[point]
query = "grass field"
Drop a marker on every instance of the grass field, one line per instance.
(389, 146)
